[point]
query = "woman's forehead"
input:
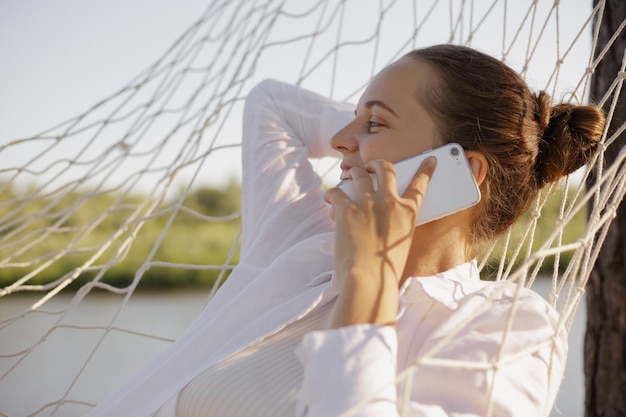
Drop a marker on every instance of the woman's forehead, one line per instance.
(397, 85)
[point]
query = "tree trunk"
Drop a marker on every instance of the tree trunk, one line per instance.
(605, 340)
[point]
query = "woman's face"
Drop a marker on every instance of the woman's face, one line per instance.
(390, 123)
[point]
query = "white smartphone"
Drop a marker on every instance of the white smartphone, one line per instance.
(452, 187)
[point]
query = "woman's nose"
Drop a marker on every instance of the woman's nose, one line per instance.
(345, 141)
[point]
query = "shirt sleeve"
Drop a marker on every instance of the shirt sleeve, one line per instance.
(352, 367)
(282, 196)
(464, 365)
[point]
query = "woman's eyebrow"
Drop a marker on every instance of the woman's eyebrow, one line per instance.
(379, 103)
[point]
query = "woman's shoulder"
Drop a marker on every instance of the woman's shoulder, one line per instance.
(472, 315)
(460, 289)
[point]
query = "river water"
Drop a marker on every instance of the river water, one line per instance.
(48, 372)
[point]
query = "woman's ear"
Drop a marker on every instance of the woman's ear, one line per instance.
(478, 164)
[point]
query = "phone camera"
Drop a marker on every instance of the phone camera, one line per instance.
(454, 151)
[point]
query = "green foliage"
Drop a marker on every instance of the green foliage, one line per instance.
(541, 233)
(215, 202)
(52, 236)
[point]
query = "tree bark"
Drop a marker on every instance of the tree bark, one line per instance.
(605, 340)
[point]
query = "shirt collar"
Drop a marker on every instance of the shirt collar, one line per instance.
(448, 287)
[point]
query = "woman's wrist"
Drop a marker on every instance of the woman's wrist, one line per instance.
(366, 297)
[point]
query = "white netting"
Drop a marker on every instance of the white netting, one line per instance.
(82, 200)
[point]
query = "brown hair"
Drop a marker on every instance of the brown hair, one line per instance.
(482, 104)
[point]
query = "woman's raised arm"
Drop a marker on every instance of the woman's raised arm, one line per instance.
(282, 199)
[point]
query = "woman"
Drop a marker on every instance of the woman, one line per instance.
(361, 312)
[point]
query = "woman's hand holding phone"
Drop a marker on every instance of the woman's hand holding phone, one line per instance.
(373, 236)
(452, 186)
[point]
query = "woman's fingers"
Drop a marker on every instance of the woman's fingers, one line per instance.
(362, 181)
(416, 190)
(418, 186)
(378, 177)
(385, 175)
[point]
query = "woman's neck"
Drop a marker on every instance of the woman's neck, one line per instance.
(437, 247)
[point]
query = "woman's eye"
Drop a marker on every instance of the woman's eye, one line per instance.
(371, 125)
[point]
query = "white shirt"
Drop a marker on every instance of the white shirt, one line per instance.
(261, 380)
(507, 339)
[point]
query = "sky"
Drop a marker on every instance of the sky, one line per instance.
(55, 55)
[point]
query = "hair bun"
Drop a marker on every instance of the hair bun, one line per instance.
(543, 110)
(568, 137)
